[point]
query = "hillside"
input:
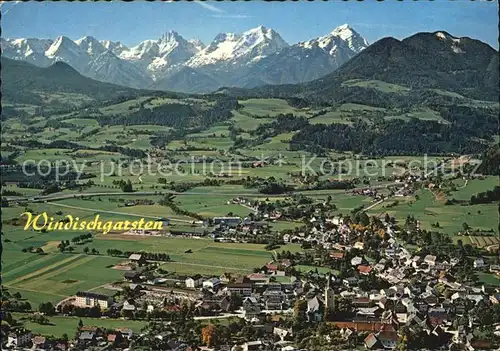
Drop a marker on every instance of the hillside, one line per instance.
(25, 83)
(490, 161)
(423, 61)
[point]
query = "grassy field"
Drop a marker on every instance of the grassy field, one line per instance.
(423, 114)
(321, 270)
(63, 274)
(57, 275)
(481, 241)
(269, 107)
(378, 85)
(246, 122)
(488, 278)
(428, 210)
(472, 187)
(68, 325)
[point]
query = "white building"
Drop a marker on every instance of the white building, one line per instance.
(194, 282)
(89, 299)
(430, 260)
(356, 261)
(211, 284)
(479, 263)
(19, 337)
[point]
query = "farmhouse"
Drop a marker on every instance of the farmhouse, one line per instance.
(132, 276)
(90, 299)
(137, 258)
(194, 281)
(356, 261)
(225, 277)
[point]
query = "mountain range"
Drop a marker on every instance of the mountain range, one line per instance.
(256, 57)
(424, 61)
(424, 68)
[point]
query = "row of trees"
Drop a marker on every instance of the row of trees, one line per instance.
(153, 256)
(486, 197)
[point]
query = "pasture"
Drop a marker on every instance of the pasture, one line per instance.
(428, 210)
(378, 85)
(269, 108)
(60, 274)
(60, 325)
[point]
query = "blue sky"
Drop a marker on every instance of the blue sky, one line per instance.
(134, 22)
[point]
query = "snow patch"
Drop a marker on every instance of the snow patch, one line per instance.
(441, 35)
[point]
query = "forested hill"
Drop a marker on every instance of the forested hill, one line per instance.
(491, 161)
(26, 83)
(424, 61)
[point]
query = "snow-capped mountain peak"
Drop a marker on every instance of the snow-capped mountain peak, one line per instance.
(148, 49)
(341, 41)
(66, 50)
(171, 35)
(90, 45)
(247, 47)
(172, 40)
(159, 55)
(29, 49)
(349, 35)
(63, 43)
(256, 56)
(197, 43)
(32, 44)
(116, 47)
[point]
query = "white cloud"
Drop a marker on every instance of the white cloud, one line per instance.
(14, 3)
(209, 7)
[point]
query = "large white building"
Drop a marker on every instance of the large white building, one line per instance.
(89, 299)
(19, 337)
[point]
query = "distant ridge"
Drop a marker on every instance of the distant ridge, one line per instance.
(423, 61)
(22, 81)
(255, 57)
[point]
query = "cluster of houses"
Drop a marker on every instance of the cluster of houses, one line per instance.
(87, 336)
(419, 295)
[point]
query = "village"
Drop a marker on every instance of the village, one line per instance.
(362, 283)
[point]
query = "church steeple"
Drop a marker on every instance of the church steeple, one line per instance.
(329, 293)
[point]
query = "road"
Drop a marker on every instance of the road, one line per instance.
(58, 196)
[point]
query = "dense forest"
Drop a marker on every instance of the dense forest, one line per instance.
(177, 115)
(490, 164)
(388, 137)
